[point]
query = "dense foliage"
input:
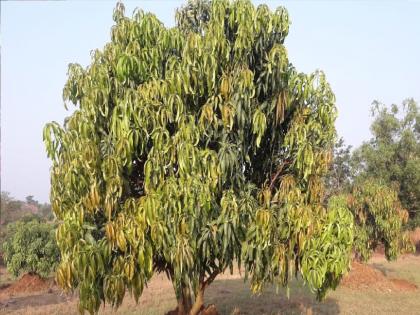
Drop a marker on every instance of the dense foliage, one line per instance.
(392, 155)
(379, 218)
(30, 247)
(193, 148)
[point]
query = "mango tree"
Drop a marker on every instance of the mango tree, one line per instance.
(192, 149)
(30, 247)
(378, 220)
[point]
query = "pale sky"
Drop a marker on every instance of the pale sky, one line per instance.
(369, 51)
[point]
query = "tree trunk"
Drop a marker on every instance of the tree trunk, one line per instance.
(198, 303)
(185, 302)
(185, 305)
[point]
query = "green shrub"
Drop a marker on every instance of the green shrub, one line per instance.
(30, 247)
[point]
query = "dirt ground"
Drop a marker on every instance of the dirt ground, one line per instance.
(364, 276)
(380, 287)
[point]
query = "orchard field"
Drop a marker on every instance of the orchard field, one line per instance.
(199, 171)
(372, 290)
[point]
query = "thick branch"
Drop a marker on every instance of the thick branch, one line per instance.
(210, 279)
(279, 170)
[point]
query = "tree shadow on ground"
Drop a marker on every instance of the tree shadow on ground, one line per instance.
(233, 297)
(230, 296)
(383, 269)
(34, 300)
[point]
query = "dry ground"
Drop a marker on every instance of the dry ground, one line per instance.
(232, 296)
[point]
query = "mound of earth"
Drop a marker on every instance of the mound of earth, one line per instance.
(362, 276)
(209, 310)
(28, 283)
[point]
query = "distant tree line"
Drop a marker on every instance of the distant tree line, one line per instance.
(13, 209)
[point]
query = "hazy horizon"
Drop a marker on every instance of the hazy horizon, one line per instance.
(368, 50)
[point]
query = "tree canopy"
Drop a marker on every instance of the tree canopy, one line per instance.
(392, 155)
(378, 220)
(30, 247)
(191, 149)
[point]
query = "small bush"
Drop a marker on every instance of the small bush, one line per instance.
(30, 247)
(379, 218)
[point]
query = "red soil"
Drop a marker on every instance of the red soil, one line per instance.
(28, 283)
(404, 285)
(363, 276)
(209, 310)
